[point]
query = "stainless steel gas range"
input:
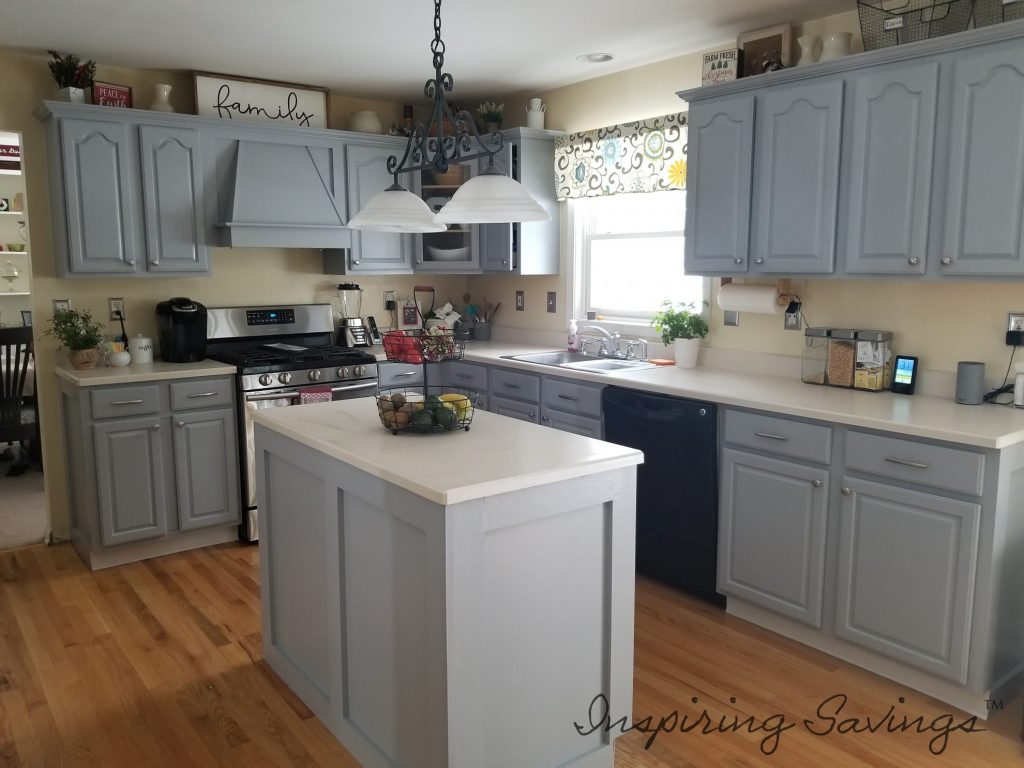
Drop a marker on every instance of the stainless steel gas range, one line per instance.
(279, 352)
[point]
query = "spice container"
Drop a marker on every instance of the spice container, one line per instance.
(842, 354)
(814, 364)
(873, 368)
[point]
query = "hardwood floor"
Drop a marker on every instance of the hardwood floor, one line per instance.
(159, 664)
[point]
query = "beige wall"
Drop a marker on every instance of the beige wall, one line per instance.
(239, 275)
(12, 306)
(941, 322)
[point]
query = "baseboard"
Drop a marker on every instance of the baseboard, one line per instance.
(170, 544)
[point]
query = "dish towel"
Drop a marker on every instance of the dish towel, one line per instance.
(321, 393)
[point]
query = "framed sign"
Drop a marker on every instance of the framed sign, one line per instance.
(238, 98)
(110, 95)
(721, 66)
(10, 159)
(766, 50)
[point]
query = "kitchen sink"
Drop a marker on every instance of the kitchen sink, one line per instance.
(580, 362)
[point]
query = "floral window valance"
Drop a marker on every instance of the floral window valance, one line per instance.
(643, 156)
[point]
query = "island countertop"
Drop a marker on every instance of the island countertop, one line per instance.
(497, 455)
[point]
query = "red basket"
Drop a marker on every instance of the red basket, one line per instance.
(423, 346)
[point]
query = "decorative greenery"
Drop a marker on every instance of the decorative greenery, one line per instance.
(69, 71)
(490, 112)
(75, 329)
(679, 321)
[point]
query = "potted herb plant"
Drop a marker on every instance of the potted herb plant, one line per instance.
(76, 331)
(682, 326)
(72, 76)
(491, 115)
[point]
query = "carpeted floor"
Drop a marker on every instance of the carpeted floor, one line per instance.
(22, 508)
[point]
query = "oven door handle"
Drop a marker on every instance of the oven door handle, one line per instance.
(350, 387)
(257, 396)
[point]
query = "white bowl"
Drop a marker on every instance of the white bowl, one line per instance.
(448, 254)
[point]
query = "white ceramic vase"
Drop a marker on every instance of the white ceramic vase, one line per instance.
(161, 98)
(836, 45)
(366, 121)
(686, 352)
(810, 49)
(535, 114)
(74, 95)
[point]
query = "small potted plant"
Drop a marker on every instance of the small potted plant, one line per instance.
(491, 115)
(682, 326)
(76, 331)
(72, 76)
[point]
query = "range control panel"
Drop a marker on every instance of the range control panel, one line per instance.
(277, 316)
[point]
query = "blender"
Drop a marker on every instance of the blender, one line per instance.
(352, 332)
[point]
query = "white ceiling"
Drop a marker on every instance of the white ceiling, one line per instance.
(380, 48)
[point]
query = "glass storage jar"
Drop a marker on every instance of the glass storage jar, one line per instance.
(842, 354)
(814, 364)
(873, 368)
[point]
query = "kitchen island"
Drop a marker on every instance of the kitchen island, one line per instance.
(457, 599)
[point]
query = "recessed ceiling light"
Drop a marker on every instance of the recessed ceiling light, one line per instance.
(595, 58)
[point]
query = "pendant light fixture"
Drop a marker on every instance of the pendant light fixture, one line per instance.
(489, 197)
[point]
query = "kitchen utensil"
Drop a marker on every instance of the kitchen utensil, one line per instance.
(427, 291)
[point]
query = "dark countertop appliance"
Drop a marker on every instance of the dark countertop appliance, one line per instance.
(677, 485)
(181, 330)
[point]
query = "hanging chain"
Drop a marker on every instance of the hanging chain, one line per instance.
(437, 46)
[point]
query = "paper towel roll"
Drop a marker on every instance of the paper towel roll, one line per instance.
(750, 298)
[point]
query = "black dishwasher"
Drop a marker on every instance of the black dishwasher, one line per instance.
(677, 485)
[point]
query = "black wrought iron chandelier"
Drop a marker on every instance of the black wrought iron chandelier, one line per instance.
(449, 138)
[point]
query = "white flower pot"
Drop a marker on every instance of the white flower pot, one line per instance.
(74, 95)
(161, 98)
(686, 351)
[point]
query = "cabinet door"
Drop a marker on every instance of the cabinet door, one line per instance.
(366, 174)
(499, 242)
(99, 192)
(206, 468)
(797, 187)
(457, 249)
(172, 196)
(515, 409)
(907, 563)
(984, 221)
(129, 479)
(890, 176)
(571, 422)
(721, 145)
(771, 541)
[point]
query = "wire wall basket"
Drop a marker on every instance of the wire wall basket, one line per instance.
(893, 22)
(430, 346)
(988, 12)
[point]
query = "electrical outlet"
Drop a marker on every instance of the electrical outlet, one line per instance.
(794, 321)
(116, 307)
(61, 305)
(520, 301)
(552, 301)
(389, 300)
(1016, 322)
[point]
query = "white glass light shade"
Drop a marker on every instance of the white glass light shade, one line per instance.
(491, 198)
(396, 209)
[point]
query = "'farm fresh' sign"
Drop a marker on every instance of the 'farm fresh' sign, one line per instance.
(231, 98)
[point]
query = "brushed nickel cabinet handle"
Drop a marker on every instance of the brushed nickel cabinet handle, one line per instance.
(156, 427)
(946, 261)
(737, 261)
(816, 483)
(410, 373)
(510, 386)
(568, 397)
(759, 261)
(181, 425)
(906, 462)
(127, 402)
(356, 262)
(770, 436)
(464, 375)
(202, 394)
(913, 261)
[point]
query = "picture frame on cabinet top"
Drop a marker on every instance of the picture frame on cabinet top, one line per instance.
(762, 47)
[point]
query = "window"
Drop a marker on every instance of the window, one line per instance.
(629, 256)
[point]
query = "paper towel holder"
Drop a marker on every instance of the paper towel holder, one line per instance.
(783, 289)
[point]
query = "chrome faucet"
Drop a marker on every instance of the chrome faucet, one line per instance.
(609, 341)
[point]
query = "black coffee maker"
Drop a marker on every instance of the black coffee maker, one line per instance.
(181, 330)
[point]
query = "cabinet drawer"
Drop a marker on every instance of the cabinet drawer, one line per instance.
(952, 469)
(466, 375)
(187, 395)
(521, 386)
(569, 422)
(514, 409)
(399, 375)
(125, 401)
(786, 437)
(573, 397)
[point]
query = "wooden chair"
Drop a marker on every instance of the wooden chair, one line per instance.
(19, 417)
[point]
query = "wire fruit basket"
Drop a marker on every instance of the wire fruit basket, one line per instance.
(430, 346)
(439, 409)
(893, 22)
(988, 12)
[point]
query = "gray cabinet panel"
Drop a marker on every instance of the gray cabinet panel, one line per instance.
(773, 434)
(205, 468)
(366, 174)
(984, 221)
(907, 563)
(172, 179)
(514, 409)
(771, 541)
(522, 386)
(130, 479)
(889, 181)
(572, 396)
(499, 243)
(466, 375)
(571, 422)
(108, 402)
(952, 469)
(99, 191)
(202, 393)
(797, 158)
(721, 139)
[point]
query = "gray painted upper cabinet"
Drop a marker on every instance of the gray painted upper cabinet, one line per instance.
(796, 154)
(888, 184)
(721, 140)
(98, 180)
(984, 213)
(172, 195)
(366, 174)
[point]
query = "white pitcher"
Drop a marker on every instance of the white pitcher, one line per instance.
(837, 45)
(535, 114)
(810, 49)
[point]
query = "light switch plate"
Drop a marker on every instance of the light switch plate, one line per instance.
(731, 317)
(552, 301)
(61, 305)
(520, 301)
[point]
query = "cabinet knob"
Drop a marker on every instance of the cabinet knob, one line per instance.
(181, 425)
(759, 261)
(737, 261)
(533, 414)
(356, 261)
(946, 261)
(504, 262)
(419, 259)
(546, 418)
(847, 492)
(913, 261)
(703, 411)
(131, 262)
(155, 261)
(156, 427)
(816, 483)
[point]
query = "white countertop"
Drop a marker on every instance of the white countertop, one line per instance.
(939, 418)
(497, 455)
(132, 374)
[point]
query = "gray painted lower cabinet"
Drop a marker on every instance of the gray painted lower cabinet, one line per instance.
(149, 471)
